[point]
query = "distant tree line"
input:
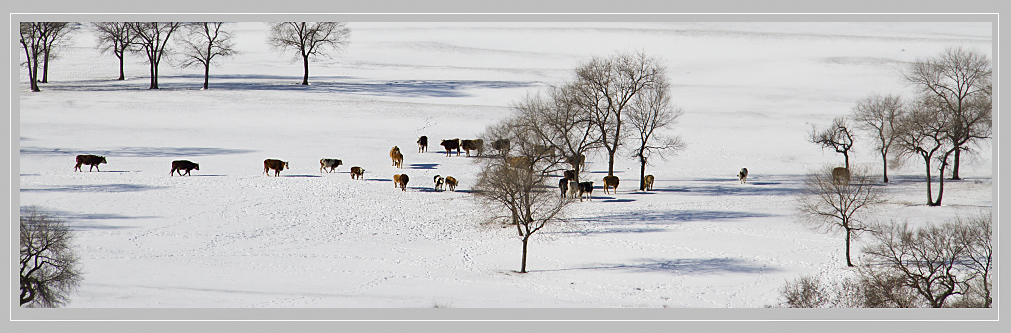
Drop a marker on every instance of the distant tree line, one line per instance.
(197, 44)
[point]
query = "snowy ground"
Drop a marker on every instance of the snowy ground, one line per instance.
(228, 236)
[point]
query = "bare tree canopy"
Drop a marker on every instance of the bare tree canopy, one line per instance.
(555, 121)
(837, 136)
(880, 115)
(311, 40)
(960, 80)
(606, 87)
(56, 34)
(115, 37)
(836, 205)
(938, 261)
(153, 39)
(203, 42)
(49, 269)
(650, 114)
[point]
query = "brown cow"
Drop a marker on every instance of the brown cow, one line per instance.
(476, 144)
(357, 171)
(393, 154)
(400, 180)
(450, 145)
(451, 183)
(500, 144)
(398, 160)
(92, 160)
(649, 182)
(611, 181)
(519, 162)
(422, 144)
(841, 175)
(180, 165)
(276, 165)
(574, 161)
(570, 174)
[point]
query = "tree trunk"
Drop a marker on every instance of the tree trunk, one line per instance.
(523, 264)
(846, 155)
(33, 69)
(305, 63)
(884, 163)
(45, 67)
(642, 172)
(930, 193)
(954, 167)
(154, 75)
(940, 186)
(207, 73)
(121, 76)
(848, 236)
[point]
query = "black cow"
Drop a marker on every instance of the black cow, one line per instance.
(586, 187)
(450, 145)
(180, 165)
(422, 144)
(92, 160)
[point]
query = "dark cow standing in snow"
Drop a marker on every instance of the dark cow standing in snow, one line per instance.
(573, 188)
(329, 163)
(611, 181)
(500, 144)
(743, 175)
(180, 165)
(400, 180)
(422, 144)
(563, 184)
(276, 165)
(476, 145)
(450, 145)
(92, 160)
(587, 188)
(356, 172)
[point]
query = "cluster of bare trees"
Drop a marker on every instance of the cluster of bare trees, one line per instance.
(949, 115)
(946, 265)
(196, 43)
(611, 101)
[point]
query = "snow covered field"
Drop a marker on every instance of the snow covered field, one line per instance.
(228, 236)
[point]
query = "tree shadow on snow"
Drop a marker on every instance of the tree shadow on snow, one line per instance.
(669, 217)
(683, 266)
(87, 221)
(108, 188)
(136, 151)
(423, 166)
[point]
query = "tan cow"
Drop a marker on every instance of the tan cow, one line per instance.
(398, 160)
(451, 183)
(649, 182)
(841, 175)
(611, 181)
(393, 154)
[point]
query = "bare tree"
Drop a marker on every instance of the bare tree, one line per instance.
(922, 131)
(56, 34)
(837, 136)
(519, 195)
(153, 39)
(832, 205)
(204, 41)
(606, 87)
(650, 113)
(931, 260)
(556, 122)
(49, 267)
(879, 115)
(958, 78)
(310, 39)
(976, 235)
(32, 42)
(115, 37)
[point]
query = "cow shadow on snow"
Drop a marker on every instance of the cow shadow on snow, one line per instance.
(682, 266)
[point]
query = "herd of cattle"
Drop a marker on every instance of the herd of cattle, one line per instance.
(568, 184)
